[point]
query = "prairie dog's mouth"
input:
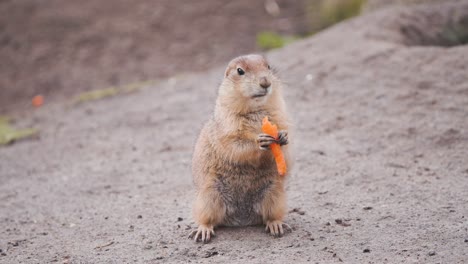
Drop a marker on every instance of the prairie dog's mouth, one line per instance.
(259, 95)
(262, 93)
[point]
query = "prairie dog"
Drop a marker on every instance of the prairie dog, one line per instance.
(233, 168)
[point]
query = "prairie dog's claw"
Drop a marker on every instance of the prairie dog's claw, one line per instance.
(264, 141)
(283, 137)
(275, 228)
(202, 234)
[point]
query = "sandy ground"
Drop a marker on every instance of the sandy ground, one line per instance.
(381, 171)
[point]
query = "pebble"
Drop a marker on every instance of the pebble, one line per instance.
(341, 222)
(15, 244)
(147, 247)
(210, 254)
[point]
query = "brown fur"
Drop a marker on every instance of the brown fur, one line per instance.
(237, 182)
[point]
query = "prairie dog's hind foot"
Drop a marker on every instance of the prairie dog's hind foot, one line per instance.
(276, 228)
(203, 233)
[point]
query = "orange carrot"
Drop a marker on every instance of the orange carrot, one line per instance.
(272, 130)
(37, 100)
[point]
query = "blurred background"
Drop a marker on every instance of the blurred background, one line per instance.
(60, 49)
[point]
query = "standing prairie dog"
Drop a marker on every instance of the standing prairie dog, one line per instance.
(233, 168)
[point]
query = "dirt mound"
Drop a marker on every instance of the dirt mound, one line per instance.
(381, 159)
(428, 27)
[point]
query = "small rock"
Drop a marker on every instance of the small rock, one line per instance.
(466, 240)
(432, 253)
(366, 250)
(179, 219)
(148, 247)
(367, 208)
(341, 222)
(210, 254)
(139, 216)
(297, 210)
(15, 243)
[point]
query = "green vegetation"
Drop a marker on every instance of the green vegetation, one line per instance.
(455, 34)
(321, 14)
(335, 11)
(269, 40)
(8, 134)
(109, 92)
(96, 95)
(324, 13)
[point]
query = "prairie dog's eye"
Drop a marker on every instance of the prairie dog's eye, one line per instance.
(269, 67)
(240, 71)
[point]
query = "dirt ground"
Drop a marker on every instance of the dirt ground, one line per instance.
(381, 176)
(62, 48)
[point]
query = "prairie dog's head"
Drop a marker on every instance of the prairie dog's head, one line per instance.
(249, 80)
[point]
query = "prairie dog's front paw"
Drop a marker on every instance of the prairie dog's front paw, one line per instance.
(283, 137)
(264, 141)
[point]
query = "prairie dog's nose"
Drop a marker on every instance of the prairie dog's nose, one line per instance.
(264, 82)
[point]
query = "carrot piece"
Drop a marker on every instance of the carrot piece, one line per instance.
(37, 100)
(272, 130)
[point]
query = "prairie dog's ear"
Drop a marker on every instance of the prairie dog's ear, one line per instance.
(226, 72)
(228, 69)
